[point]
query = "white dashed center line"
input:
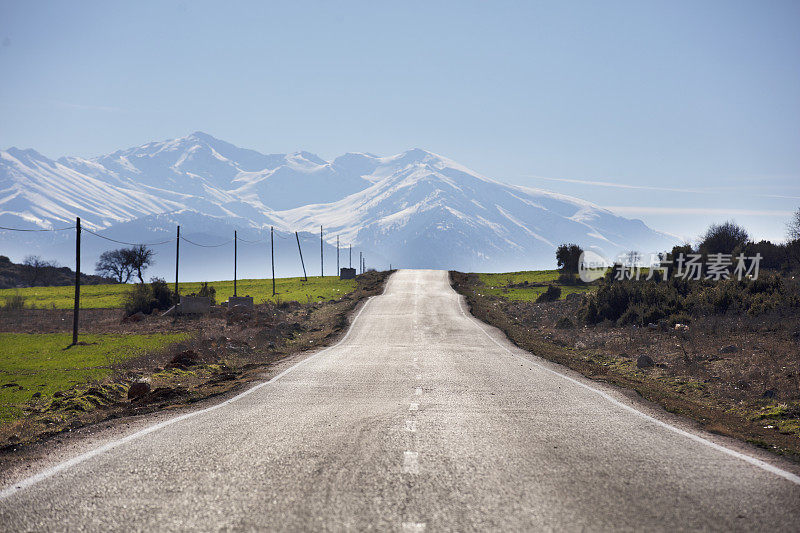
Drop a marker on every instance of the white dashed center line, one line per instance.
(418, 391)
(413, 407)
(411, 463)
(411, 425)
(413, 527)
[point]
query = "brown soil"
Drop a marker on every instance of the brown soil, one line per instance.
(735, 375)
(228, 350)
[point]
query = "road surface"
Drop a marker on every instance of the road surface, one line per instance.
(420, 419)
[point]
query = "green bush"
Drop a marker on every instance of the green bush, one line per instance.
(14, 302)
(207, 291)
(569, 278)
(138, 299)
(552, 294)
(162, 296)
(642, 302)
(145, 298)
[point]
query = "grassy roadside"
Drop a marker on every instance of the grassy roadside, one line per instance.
(528, 285)
(36, 366)
(111, 296)
(751, 394)
(190, 359)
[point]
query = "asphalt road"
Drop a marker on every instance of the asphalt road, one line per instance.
(419, 419)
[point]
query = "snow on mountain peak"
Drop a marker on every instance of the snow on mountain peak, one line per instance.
(202, 136)
(26, 154)
(415, 209)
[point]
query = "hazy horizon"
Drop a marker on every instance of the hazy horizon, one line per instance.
(679, 114)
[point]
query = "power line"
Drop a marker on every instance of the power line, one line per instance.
(124, 242)
(252, 242)
(20, 229)
(205, 245)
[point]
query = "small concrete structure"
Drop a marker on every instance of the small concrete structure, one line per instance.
(194, 305)
(347, 273)
(233, 301)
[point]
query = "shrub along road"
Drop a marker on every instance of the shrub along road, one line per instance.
(734, 370)
(420, 418)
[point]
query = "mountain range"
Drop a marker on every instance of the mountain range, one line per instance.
(415, 209)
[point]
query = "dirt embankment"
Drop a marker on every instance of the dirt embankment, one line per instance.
(736, 375)
(228, 349)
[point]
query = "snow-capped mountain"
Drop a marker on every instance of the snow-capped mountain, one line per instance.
(414, 209)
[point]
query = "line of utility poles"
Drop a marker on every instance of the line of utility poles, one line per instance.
(305, 277)
(272, 254)
(177, 260)
(77, 308)
(362, 264)
(235, 242)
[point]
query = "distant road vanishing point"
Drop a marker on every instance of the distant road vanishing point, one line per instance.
(420, 419)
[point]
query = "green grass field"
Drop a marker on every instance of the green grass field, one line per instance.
(498, 284)
(31, 363)
(111, 296)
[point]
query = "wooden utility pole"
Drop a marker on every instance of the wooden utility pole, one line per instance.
(177, 259)
(77, 308)
(338, 270)
(321, 266)
(272, 253)
(235, 244)
(305, 277)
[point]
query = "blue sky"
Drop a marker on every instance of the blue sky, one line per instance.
(678, 113)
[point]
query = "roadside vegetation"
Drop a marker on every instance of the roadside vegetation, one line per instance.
(35, 366)
(128, 364)
(723, 352)
(112, 296)
(35, 271)
(528, 286)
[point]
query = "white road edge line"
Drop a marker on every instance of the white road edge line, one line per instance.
(41, 476)
(752, 460)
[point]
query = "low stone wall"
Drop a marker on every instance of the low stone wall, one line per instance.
(194, 305)
(246, 301)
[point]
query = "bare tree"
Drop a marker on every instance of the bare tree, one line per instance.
(793, 238)
(139, 257)
(633, 257)
(115, 264)
(37, 269)
(793, 227)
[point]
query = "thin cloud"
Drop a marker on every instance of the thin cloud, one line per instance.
(617, 185)
(704, 190)
(649, 210)
(781, 196)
